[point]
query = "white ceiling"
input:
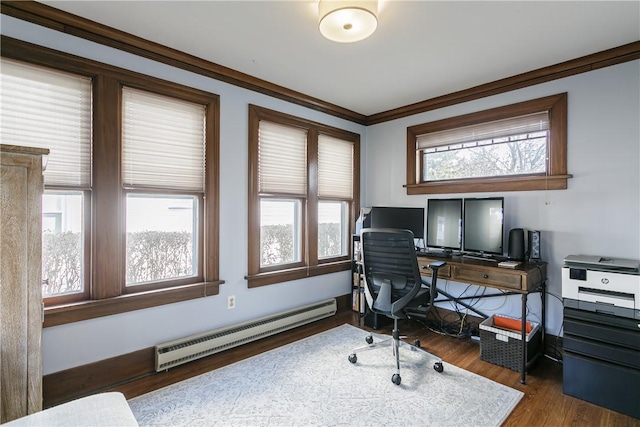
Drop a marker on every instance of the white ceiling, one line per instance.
(421, 49)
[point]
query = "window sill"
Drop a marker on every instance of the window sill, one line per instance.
(262, 279)
(494, 184)
(74, 312)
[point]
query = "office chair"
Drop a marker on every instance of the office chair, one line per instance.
(394, 286)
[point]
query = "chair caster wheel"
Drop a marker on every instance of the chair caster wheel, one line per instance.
(438, 367)
(396, 379)
(369, 339)
(416, 343)
(353, 358)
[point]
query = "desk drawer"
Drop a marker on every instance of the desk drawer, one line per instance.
(487, 277)
(423, 264)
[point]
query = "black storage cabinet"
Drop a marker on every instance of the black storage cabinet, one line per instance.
(601, 362)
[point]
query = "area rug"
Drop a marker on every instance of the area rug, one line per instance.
(311, 383)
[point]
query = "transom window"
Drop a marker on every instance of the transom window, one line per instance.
(517, 147)
(506, 147)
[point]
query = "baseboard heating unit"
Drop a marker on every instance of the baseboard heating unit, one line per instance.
(194, 347)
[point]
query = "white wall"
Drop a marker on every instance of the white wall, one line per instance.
(79, 343)
(599, 213)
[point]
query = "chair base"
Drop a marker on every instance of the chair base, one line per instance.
(395, 344)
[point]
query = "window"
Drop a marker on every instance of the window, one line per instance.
(50, 109)
(280, 232)
(517, 147)
(63, 245)
(163, 164)
(303, 197)
(282, 185)
(130, 210)
(335, 191)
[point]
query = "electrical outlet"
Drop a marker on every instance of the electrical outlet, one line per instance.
(231, 302)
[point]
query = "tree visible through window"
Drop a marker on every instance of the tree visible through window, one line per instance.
(516, 147)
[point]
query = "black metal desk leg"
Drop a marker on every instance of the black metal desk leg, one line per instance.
(543, 297)
(523, 336)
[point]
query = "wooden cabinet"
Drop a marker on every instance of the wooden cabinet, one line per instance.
(21, 189)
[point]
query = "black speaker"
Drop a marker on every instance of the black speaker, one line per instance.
(533, 243)
(516, 244)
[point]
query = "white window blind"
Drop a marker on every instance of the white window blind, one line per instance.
(485, 131)
(335, 167)
(282, 159)
(163, 142)
(47, 108)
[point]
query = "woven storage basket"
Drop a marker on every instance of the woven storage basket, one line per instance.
(504, 347)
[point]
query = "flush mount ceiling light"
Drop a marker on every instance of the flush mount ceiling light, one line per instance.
(347, 21)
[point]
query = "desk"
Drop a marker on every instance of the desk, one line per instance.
(524, 279)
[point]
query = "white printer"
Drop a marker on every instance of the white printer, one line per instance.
(603, 285)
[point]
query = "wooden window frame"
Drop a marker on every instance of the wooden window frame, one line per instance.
(311, 266)
(555, 178)
(106, 292)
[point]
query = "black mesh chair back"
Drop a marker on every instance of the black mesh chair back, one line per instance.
(392, 277)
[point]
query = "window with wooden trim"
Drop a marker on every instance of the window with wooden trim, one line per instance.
(131, 187)
(46, 108)
(163, 169)
(303, 197)
(516, 147)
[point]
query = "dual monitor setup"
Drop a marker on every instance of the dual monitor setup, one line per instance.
(471, 226)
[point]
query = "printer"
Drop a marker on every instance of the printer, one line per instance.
(602, 285)
(601, 341)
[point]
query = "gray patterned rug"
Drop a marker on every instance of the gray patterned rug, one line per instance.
(311, 383)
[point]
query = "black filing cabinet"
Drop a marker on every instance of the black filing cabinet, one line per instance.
(601, 362)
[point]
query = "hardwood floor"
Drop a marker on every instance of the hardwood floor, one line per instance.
(544, 404)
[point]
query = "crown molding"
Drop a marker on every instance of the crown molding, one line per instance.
(65, 22)
(606, 58)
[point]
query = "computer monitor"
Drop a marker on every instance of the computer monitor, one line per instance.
(403, 218)
(444, 224)
(484, 225)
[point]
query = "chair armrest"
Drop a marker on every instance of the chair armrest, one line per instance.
(435, 265)
(433, 289)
